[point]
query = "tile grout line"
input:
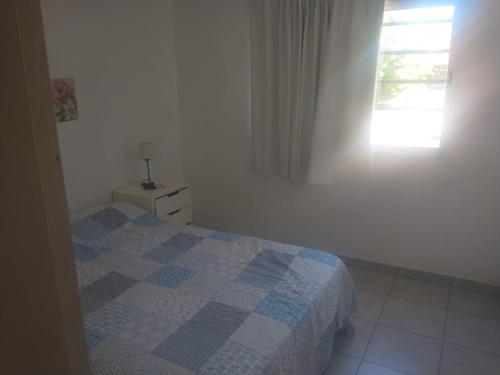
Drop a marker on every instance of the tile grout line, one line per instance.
(377, 322)
(388, 368)
(406, 299)
(448, 309)
(473, 348)
(451, 280)
(475, 315)
(437, 306)
(410, 332)
(444, 329)
(427, 337)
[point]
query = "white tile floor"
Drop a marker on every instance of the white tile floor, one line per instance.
(407, 326)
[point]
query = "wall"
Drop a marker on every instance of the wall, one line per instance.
(436, 212)
(121, 54)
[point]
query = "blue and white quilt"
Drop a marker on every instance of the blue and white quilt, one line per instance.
(164, 299)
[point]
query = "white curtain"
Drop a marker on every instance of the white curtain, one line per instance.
(288, 40)
(313, 82)
(341, 137)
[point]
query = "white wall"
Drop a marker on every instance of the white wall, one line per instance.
(437, 212)
(121, 54)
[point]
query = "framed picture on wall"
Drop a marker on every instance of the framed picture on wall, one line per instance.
(64, 99)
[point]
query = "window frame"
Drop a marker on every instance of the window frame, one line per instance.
(408, 52)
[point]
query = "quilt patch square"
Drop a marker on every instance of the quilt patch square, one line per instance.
(194, 260)
(226, 291)
(284, 308)
(89, 272)
(148, 220)
(219, 319)
(234, 358)
(262, 333)
(111, 317)
(84, 253)
(170, 276)
(128, 241)
(115, 356)
(88, 229)
(169, 303)
(110, 218)
(296, 285)
(222, 236)
(91, 301)
(173, 248)
(266, 270)
(189, 347)
(147, 331)
(94, 337)
(157, 366)
(129, 265)
(110, 286)
(224, 268)
(318, 256)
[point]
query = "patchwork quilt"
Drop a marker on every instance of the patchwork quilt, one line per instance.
(164, 299)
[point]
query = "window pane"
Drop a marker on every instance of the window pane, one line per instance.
(412, 77)
(407, 128)
(419, 66)
(413, 96)
(435, 36)
(420, 15)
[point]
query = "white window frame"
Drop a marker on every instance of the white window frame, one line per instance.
(405, 52)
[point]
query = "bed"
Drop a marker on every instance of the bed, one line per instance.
(164, 299)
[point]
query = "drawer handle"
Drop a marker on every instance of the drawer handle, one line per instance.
(173, 194)
(174, 212)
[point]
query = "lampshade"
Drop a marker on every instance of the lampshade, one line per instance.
(145, 151)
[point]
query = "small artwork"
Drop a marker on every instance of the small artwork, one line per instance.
(64, 98)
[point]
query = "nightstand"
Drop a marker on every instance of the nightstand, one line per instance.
(171, 201)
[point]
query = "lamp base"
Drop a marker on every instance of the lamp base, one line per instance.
(148, 186)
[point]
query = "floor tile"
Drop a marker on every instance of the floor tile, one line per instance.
(355, 345)
(421, 291)
(414, 317)
(368, 368)
(480, 304)
(459, 360)
(473, 331)
(402, 351)
(369, 305)
(372, 281)
(342, 365)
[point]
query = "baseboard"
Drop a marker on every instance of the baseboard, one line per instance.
(455, 282)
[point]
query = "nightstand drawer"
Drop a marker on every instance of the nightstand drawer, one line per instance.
(181, 217)
(172, 202)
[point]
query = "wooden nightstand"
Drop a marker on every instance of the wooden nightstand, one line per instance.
(171, 201)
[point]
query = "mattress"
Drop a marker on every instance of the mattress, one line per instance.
(164, 299)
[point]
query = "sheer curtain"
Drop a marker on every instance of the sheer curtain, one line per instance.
(313, 78)
(288, 41)
(341, 140)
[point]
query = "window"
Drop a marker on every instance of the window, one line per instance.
(412, 77)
